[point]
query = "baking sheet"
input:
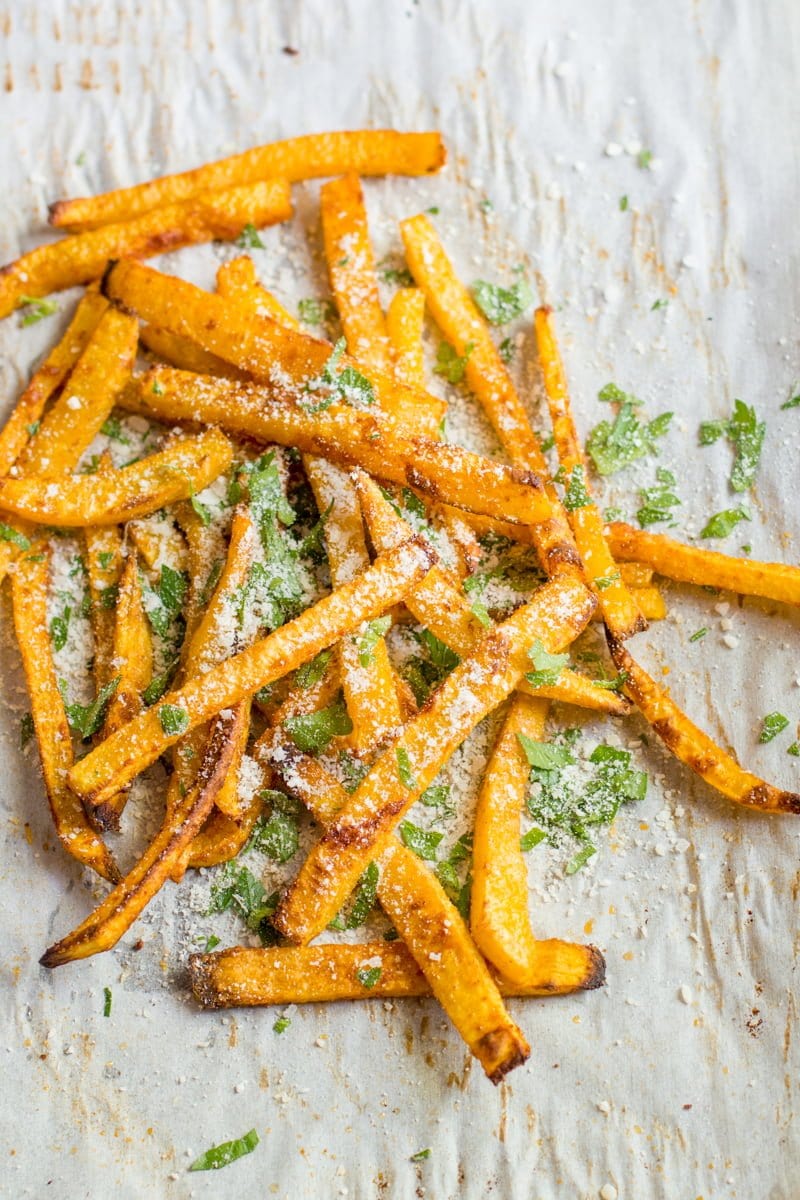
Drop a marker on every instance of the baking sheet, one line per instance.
(632, 1087)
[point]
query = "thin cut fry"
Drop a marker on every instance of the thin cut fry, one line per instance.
(132, 660)
(445, 610)
(77, 501)
(275, 355)
(48, 378)
(557, 613)
(404, 321)
(103, 569)
(619, 609)
(426, 920)
(692, 564)
(83, 257)
(351, 267)
(243, 977)
(29, 601)
(692, 746)
(121, 757)
(347, 436)
(106, 925)
(365, 151)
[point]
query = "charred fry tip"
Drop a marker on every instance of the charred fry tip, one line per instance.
(103, 817)
(500, 1051)
(199, 975)
(596, 975)
(770, 799)
(105, 278)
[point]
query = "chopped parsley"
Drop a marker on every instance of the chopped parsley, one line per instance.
(368, 976)
(644, 158)
(580, 859)
(237, 888)
(277, 835)
(545, 755)
(281, 1025)
(420, 1155)
(211, 943)
(112, 428)
(576, 495)
(657, 304)
(313, 732)
(347, 384)
(438, 796)
(160, 682)
(746, 434)
(174, 720)
(316, 312)
(425, 672)
(104, 559)
(226, 1152)
(772, 724)
(26, 730)
(36, 308)
(450, 364)
(312, 672)
(87, 719)
(531, 839)
(794, 750)
(9, 534)
(698, 634)
(603, 582)
(723, 523)
(794, 398)
(500, 305)
(106, 1001)
(165, 602)
(369, 637)
(59, 628)
(623, 204)
(404, 769)
(202, 511)
(657, 501)
(615, 445)
(547, 667)
(393, 274)
(248, 239)
(362, 901)
(424, 842)
(507, 350)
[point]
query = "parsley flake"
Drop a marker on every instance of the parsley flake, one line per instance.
(722, 523)
(772, 724)
(615, 445)
(500, 305)
(37, 309)
(9, 534)
(248, 239)
(424, 842)
(313, 732)
(450, 364)
(404, 769)
(746, 434)
(547, 667)
(87, 719)
(226, 1152)
(106, 1001)
(174, 720)
(368, 976)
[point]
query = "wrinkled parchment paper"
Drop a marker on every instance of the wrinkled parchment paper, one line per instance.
(679, 1080)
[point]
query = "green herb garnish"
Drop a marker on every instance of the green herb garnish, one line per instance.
(37, 309)
(281, 1025)
(576, 495)
(615, 445)
(316, 312)
(657, 501)
(698, 634)
(248, 239)
(106, 1001)
(772, 724)
(174, 720)
(746, 434)
(313, 732)
(501, 305)
(368, 976)
(450, 364)
(547, 667)
(404, 769)
(59, 628)
(420, 1156)
(423, 842)
(9, 534)
(226, 1152)
(723, 523)
(370, 635)
(277, 835)
(87, 719)
(312, 672)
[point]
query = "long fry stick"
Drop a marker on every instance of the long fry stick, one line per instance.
(121, 757)
(347, 436)
(351, 267)
(122, 906)
(274, 354)
(428, 923)
(243, 977)
(404, 322)
(29, 602)
(103, 569)
(693, 564)
(180, 352)
(408, 765)
(77, 501)
(48, 378)
(83, 257)
(367, 679)
(365, 151)
(445, 610)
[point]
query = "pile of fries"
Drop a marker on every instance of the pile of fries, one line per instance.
(233, 379)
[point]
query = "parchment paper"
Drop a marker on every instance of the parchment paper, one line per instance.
(630, 1087)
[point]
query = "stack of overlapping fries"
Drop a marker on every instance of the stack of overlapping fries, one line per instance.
(238, 397)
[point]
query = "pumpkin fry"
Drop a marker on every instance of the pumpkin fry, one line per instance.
(709, 568)
(49, 377)
(122, 756)
(276, 355)
(365, 151)
(103, 569)
(29, 604)
(405, 317)
(243, 977)
(347, 436)
(106, 925)
(76, 501)
(183, 353)
(618, 606)
(351, 268)
(132, 659)
(446, 611)
(691, 745)
(426, 920)
(84, 256)
(410, 762)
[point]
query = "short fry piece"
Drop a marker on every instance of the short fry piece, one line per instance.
(83, 257)
(405, 318)
(347, 436)
(122, 906)
(103, 569)
(273, 353)
(77, 501)
(351, 267)
(692, 564)
(29, 601)
(619, 609)
(49, 377)
(558, 612)
(237, 279)
(693, 747)
(428, 922)
(132, 660)
(242, 977)
(365, 151)
(117, 761)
